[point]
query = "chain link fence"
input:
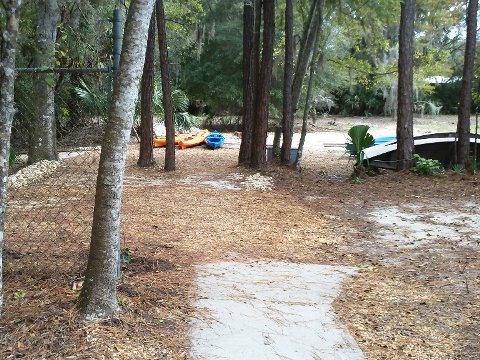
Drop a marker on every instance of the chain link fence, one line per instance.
(50, 203)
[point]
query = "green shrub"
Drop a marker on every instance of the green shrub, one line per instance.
(357, 180)
(13, 157)
(426, 166)
(473, 163)
(458, 169)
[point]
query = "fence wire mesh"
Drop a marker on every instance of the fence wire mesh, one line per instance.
(50, 203)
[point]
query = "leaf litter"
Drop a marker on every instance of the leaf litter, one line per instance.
(418, 302)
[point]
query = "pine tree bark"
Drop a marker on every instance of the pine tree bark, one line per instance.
(166, 88)
(258, 157)
(308, 97)
(287, 120)
(306, 49)
(7, 83)
(248, 75)
(256, 69)
(463, 124)
(98, 296)
(405, 144)
(43, 130)
(145, 158)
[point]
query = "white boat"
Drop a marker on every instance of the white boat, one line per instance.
(438, 146)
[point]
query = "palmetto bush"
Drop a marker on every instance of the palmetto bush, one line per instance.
(97, 104)
(92, 102)
(182, 119)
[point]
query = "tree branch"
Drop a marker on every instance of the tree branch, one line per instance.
(361, 71)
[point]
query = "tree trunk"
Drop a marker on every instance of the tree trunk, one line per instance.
(7, 82)
(255, 70)
(248, 89)
(308, 97)
(288, 120)
(277, 136)
(43, 132)
(306, 50)
(166, 88)
(98, 297)
(463, 125)
(145, 158)
(258, 157)
(256, 50)
(405, 144)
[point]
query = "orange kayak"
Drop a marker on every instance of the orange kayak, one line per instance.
(193, 139)
(160, 141)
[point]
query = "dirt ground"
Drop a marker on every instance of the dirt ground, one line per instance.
(413, 239)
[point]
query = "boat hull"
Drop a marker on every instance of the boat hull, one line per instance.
(437, 146)
(193, 140)
(161, 141)
(214, 140)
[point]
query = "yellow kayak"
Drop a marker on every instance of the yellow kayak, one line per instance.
(194, 139)
(160, 141)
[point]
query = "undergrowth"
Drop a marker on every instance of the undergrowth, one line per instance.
(426, 166)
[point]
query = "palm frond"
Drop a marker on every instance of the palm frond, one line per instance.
(184, 121)
(180, 101)
(92, 102)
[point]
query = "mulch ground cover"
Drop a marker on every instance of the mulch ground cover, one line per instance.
(420, 302)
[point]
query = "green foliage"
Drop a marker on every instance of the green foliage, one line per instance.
(473, 164)
(179, 100)
(216, 76)
(182, 119)
(458, 169)
(211, 68)
(19, 296)
(360, 100)
(358, 50)
(50, 81)
(357, 180)
(447, 95)
(93, 103)
(125, 256)
(96, 104)
(121, 301)
(360, 139)
(426, 166)
(13, 157)
(182, 17)
(185, 121)
(24, 107)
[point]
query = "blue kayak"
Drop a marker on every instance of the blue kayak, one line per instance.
(214, 140)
